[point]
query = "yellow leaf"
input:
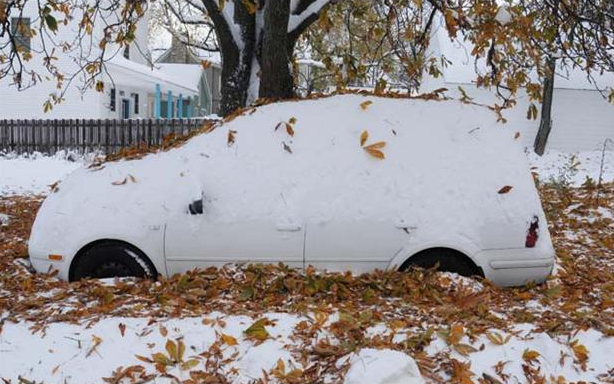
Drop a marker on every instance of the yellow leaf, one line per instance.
(161, 358)
(365, 105)
(580, 351)
(257, 330)
(364, 136)
(171, 349)
(189, 364)
(455, 335)
(530, 355)
(229, 340)
(497, 339)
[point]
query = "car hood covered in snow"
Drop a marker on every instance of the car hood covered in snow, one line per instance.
(445, 165)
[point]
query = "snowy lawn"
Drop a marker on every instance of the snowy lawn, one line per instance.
(275, 325)
(35, 173)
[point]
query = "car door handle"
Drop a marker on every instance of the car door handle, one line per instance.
(288, 227)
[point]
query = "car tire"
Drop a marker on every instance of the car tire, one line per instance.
(449, 261)
(111, 259)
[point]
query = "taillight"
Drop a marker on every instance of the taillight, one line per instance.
(532, 233)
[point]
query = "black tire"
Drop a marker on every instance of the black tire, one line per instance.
(449, 261)
(112, 259)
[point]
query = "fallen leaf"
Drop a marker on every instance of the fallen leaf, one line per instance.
(231, 137)
(364, 136)
(505, 190)
(530, 355)
(378, 145)
(257, 330)
(365, 105)
(122, 328)
(375, 153)
(229, 340)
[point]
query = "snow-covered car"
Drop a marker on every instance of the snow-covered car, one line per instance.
(347, 182)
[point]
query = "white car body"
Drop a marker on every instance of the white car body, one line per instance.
(327, 203)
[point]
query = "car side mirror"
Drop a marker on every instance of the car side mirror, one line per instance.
(196, 207)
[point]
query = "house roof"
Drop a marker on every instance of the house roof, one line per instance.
(130, 73)
(187, 74)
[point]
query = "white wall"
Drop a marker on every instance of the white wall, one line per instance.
(582, 119)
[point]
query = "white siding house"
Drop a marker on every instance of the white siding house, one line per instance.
(582, 119)
(133, 87)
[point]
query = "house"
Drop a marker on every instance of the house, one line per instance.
(201, 68)
(582, 118)
(133, 88)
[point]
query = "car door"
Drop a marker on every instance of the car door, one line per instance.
(354, 245)
(200, 241)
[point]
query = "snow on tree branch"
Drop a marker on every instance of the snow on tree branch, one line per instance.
(296, 20)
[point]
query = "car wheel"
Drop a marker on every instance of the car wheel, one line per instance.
(448, 260)
(107, 260)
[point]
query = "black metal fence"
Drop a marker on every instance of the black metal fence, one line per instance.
(87, 135)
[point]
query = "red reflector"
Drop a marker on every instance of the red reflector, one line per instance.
(532, 233)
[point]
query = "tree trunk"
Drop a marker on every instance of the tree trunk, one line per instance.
(545, 125)
(237, 60)
(276, 79)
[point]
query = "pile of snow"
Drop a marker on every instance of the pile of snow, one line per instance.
(372, 366)
(573, 168)
(33, 174)
(441, 157)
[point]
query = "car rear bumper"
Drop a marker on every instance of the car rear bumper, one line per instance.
(514, 267)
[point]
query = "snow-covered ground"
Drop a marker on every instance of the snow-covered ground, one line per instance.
(72, 353)
(574, 168)
(34, 174)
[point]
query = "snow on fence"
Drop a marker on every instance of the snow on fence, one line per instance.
(87, 135)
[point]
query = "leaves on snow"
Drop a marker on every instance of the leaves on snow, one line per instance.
(374, 149)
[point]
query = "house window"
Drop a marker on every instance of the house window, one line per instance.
(20, 29)
(135, 96)
(127, 52)
(113, 103)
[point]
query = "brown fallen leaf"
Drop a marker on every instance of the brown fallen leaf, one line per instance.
(231, 137)
(375, 153)
(365, 105)
(364, 136)
(378, 145)
(505, 190)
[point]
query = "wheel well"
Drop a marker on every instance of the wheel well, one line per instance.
(83, 251)
(477, 271)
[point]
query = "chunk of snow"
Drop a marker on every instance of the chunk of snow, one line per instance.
(503, 15)
(372, 366)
